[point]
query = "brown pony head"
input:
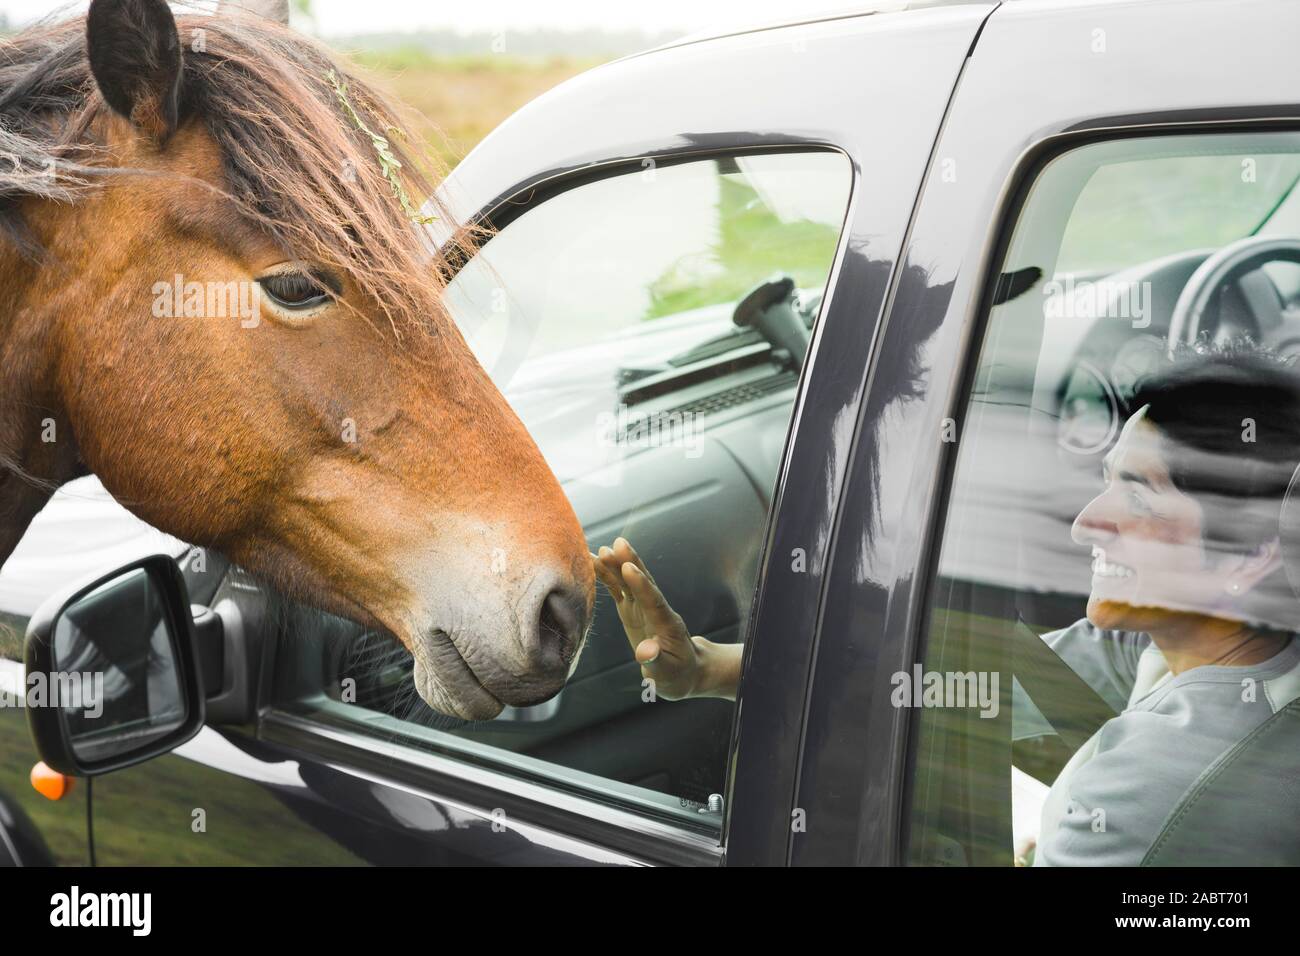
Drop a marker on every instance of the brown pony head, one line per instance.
(214, 284)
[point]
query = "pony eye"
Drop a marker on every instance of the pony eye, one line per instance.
(295, 290)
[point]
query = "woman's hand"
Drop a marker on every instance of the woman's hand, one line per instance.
(680, 665)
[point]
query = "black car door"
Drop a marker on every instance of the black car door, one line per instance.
(947, 540)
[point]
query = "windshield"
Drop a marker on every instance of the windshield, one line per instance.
(1140, 210)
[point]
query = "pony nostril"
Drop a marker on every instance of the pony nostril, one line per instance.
(559, 628)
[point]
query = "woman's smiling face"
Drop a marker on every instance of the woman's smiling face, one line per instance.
(1150, 563)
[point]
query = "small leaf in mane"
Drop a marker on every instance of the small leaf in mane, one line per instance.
(388, 163)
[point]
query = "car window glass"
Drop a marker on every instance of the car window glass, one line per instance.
(1112, 613)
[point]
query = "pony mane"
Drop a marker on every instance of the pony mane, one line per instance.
(287, 117)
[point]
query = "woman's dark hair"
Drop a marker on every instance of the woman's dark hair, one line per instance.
(1230, 419)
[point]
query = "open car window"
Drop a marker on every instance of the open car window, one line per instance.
(1111, 637)
(649, 328)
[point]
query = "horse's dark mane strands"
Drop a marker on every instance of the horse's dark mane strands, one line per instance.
(295, 164)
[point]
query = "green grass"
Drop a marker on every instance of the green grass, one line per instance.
(752, 245)
(61, 823)
(12, 631)
(463, 98)
(416, 60)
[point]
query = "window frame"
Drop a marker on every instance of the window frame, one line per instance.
(581, 817)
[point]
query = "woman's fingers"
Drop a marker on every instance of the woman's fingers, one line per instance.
(648, 621)
(607, 570)
(624, 552)
(603, 576)
(663, 669)
(606, 556)
(660, 618)
(660, 668)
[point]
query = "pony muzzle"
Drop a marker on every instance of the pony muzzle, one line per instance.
(494, 658)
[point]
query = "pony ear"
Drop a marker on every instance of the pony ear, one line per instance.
(135, 56)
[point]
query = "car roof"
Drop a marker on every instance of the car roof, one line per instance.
(865, 8)
(846, 11)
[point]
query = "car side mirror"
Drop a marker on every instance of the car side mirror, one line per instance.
(112, 673)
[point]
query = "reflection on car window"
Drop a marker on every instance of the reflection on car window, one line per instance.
(1192, 202)
(649, 328)
(1111, 647)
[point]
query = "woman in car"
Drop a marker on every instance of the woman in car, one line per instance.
(1190, 626)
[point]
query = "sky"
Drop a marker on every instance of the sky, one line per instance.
(341, 17)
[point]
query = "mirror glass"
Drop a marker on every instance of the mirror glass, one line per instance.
(117, 670)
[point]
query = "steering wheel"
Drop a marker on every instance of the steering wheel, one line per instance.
(1228, 264)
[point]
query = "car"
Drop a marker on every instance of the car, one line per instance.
(833, 319)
